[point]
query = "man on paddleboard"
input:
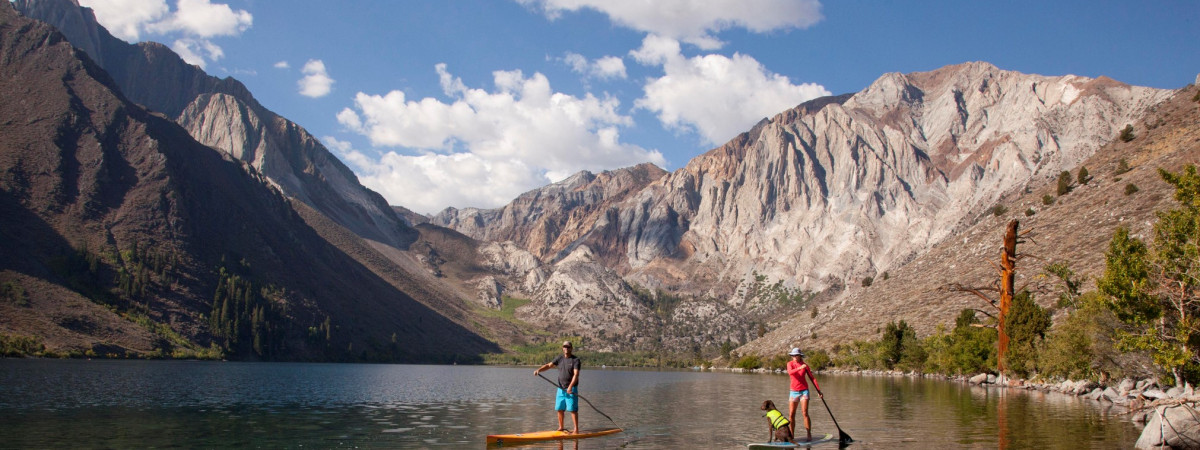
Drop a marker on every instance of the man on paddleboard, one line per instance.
(567, 398)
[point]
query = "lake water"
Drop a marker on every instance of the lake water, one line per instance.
(139, 404)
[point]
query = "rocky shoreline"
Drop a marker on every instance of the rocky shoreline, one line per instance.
(1169, 417)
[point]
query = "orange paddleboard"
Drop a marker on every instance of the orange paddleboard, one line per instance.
(548, 436)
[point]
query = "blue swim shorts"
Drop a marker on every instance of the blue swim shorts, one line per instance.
(567, 401)
(796, 395)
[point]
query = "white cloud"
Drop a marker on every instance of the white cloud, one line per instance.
(485, 148)
(282, 65)
(316, 82)
(715, 95)
(197, 51)
(693, 21)
(609, 67)
(205, 20)
(126, 19)
(428, 183)
(192, 24)
(605, 68)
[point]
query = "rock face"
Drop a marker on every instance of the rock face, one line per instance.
(1074, 228)
(820, 197)
(222, 113)
(549, 221)
(828, 197)
(1171, 427)
(582, 297)
(841, 188)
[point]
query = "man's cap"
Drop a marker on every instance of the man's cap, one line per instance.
(567, 344)
(795, 351)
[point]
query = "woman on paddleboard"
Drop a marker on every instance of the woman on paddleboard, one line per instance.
(567, 398)
(797, 370)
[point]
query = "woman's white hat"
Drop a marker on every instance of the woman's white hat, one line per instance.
(795, 351)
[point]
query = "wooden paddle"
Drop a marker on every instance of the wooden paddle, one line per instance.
(584, 399)
(843, 438)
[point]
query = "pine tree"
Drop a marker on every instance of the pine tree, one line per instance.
(1064, 183)
(1153, 290)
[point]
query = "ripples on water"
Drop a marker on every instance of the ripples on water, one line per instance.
(124, 404)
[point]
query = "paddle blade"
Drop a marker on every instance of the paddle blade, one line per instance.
(844, 438)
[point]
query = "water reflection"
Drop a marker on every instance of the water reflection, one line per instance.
(122, 404)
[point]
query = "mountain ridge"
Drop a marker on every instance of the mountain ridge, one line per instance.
(152, 75)
(123, 216)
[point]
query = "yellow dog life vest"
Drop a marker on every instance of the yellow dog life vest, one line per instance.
(777, 419)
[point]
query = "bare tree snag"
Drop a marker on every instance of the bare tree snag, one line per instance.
(1007, 271)
(1008, 263)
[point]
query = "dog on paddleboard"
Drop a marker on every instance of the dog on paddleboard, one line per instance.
(777, 423)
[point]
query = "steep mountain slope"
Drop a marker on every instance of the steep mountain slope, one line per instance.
(810, 202)
(1075, 229)
(548, 220)
(112, 214)
(856, 187)
(223, 114)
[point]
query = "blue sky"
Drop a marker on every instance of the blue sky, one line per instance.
(471, 102)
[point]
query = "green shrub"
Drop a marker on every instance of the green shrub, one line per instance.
(1122, 167)
(818, 359)
(1047, 199)
(1081, 347)
(966, 350)
(1030, 212)
(900, 349)
(866, 282)
(14, 293)
(1127, 134)
(1026, 324)
(21, 346)
(1064, 183)
(777, 362)
(725, 348)
(748, 362)
(999, 210)
(1130, 189)
(1083, 178)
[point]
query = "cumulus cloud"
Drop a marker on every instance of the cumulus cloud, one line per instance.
(608, 67)
(693, 21)
(484, 148)
(192, 24)
(126, 19)
(197, 51)
(714, 95)
(204, 19)
(316, 82)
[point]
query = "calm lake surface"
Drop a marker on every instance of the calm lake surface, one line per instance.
(139, 404)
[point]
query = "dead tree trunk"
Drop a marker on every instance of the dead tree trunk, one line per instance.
(1008, 266)
(1005, 287)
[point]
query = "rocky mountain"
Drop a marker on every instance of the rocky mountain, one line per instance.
(810, 202)
(847, 187)
(550, 220)
(790, 216)
(223, 114)
(1074, 228)
(121, 234)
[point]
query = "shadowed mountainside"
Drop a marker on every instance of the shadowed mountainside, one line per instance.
(122, 215)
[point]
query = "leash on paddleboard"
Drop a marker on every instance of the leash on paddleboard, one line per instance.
(584, 399)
